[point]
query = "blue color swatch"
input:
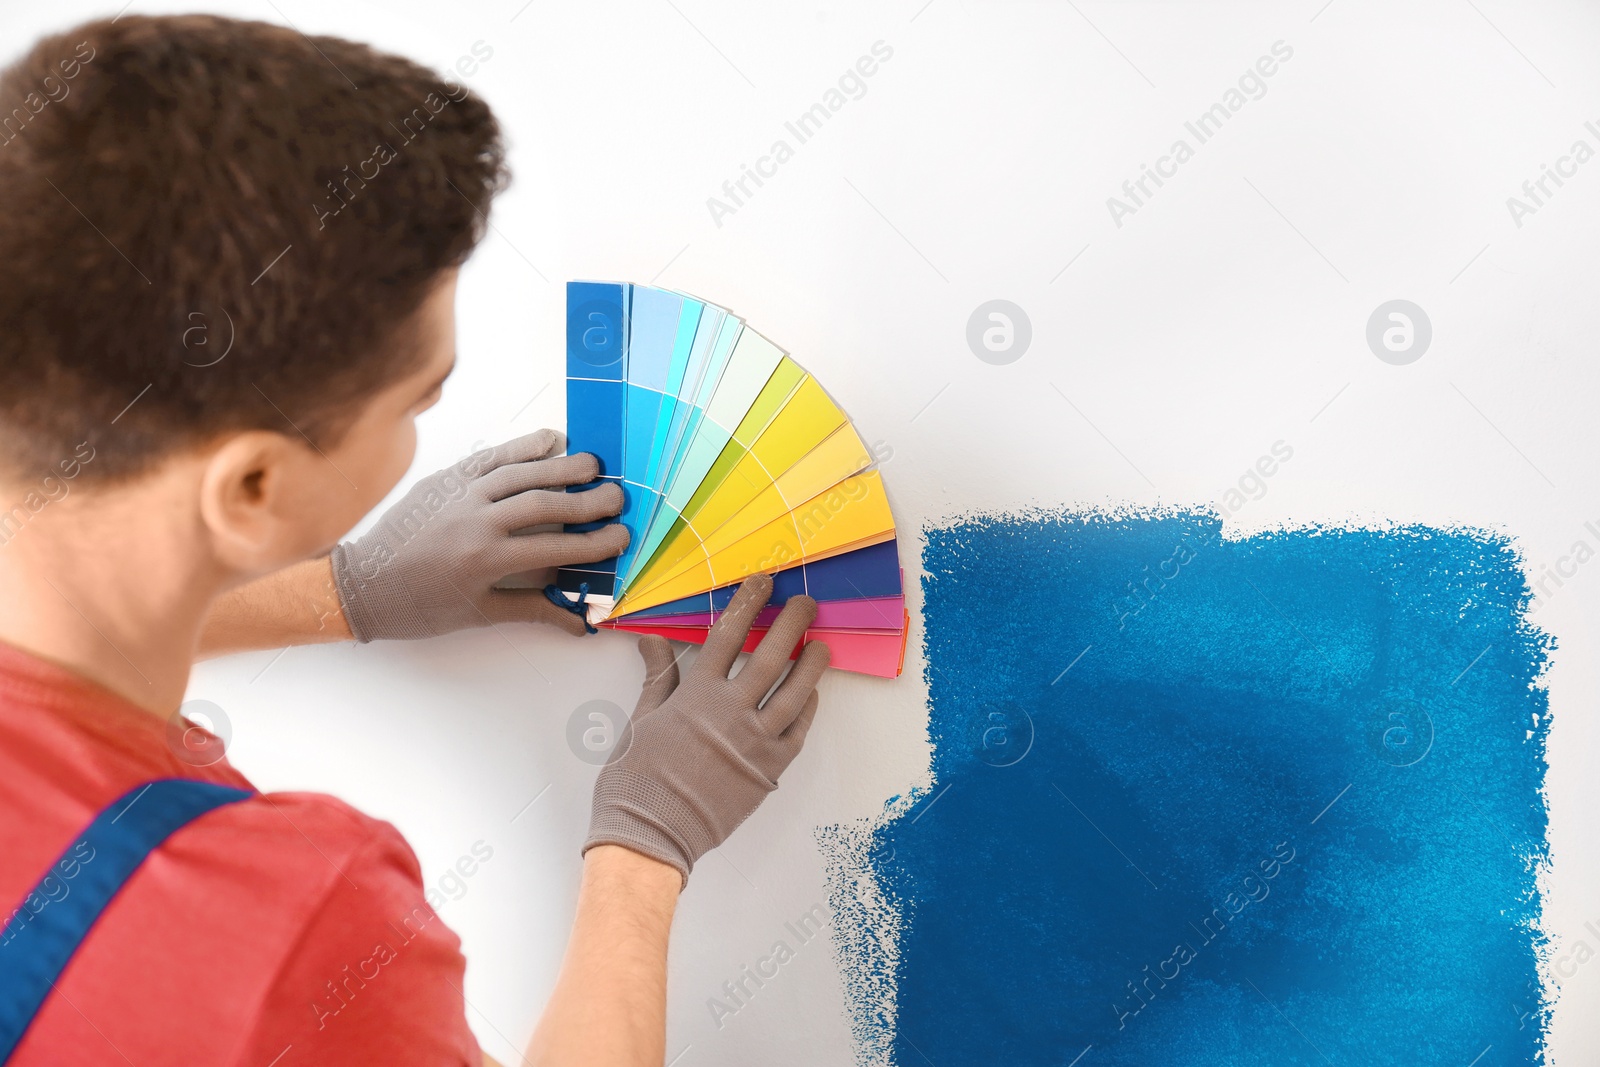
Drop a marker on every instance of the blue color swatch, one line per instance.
(1215, 803)
(597, 365)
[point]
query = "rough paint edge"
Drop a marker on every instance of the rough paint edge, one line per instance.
(1543, 643)
(1082, 512)
(867, 921)
(1233, 529)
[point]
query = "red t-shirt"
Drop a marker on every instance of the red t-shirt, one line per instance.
(287, 929)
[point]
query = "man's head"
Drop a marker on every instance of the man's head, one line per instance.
(228, 255)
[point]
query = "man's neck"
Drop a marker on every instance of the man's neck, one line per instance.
(106, 585)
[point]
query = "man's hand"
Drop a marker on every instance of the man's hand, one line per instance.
(430, 565)
(701, 756)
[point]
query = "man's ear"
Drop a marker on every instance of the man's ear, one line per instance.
(251, 501)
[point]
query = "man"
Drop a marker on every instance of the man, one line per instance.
(160, 500)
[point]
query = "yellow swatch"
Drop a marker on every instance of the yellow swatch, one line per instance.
(853, 514)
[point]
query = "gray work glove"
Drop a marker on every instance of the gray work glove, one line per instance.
(430, 564)
(699, 757)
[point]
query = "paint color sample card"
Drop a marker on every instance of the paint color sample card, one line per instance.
(733, 461)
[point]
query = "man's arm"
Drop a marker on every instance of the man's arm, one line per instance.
(696, 760)
(299, 605)
(610, 1001)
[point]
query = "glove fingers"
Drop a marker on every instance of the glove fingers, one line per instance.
(766, 665)
(540, 551)
(525, 449)
(789, 702)
(537, 507)
(530, 605)
(728, 636)
(660, 673)
(794, 738)
(512, 478)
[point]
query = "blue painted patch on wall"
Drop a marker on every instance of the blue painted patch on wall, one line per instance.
(1203, 802)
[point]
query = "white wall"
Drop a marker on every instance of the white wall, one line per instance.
(1227, 313)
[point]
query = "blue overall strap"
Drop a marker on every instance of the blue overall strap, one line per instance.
(41, 935)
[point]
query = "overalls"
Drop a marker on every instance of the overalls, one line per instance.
(49, 925)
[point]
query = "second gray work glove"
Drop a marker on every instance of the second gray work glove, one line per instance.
(702, 755)
(430, 565)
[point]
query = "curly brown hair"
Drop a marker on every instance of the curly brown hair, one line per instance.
(181, 184)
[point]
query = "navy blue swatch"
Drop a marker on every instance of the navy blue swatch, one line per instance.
(598, 323)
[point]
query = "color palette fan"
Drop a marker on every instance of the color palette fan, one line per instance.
(733, 461)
